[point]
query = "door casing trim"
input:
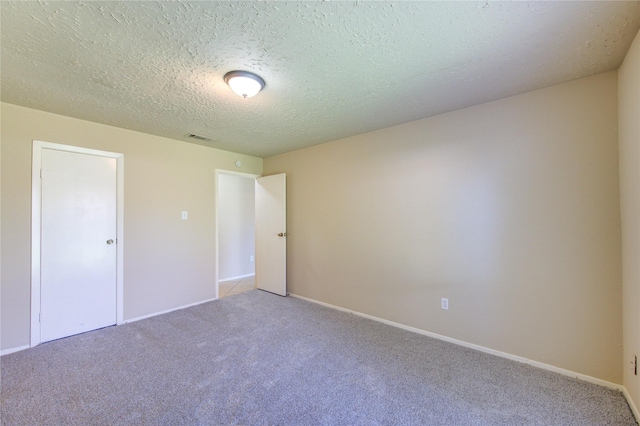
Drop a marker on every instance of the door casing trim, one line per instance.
(36, 214)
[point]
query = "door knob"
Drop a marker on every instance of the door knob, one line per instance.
(282, 234)
(109, 241)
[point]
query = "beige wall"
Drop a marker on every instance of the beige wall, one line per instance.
(236, 225)
(167, 262)
(629, 128)
(509, 209)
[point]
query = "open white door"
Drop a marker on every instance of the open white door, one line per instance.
(271, 233)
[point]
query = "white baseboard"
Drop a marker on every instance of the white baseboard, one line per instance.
(168, 310)
(632, 405)
(12, 350)
(523, 360)
(20, 348)
(239, 277)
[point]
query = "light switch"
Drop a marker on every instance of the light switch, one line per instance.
(185, 215)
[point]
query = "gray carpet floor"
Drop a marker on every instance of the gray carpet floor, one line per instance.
(260, 359)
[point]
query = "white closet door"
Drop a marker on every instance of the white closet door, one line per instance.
(78, 237)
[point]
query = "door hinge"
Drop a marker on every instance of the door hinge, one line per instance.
(40, 173)
(40, 317)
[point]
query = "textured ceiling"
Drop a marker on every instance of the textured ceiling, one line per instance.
(333, 69)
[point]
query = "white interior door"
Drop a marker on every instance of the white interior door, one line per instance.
(78, 243)
(271, 233)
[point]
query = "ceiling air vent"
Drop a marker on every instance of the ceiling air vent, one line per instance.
(198, 137)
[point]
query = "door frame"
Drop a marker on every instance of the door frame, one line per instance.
(36, 226)
(218, 173)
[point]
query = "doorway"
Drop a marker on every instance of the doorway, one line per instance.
(235, 223)
(77, 240)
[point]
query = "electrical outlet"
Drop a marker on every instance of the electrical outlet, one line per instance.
(185, 215)
(445, 303)
(252, 258)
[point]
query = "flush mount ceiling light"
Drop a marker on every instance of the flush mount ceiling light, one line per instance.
(244, 83)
